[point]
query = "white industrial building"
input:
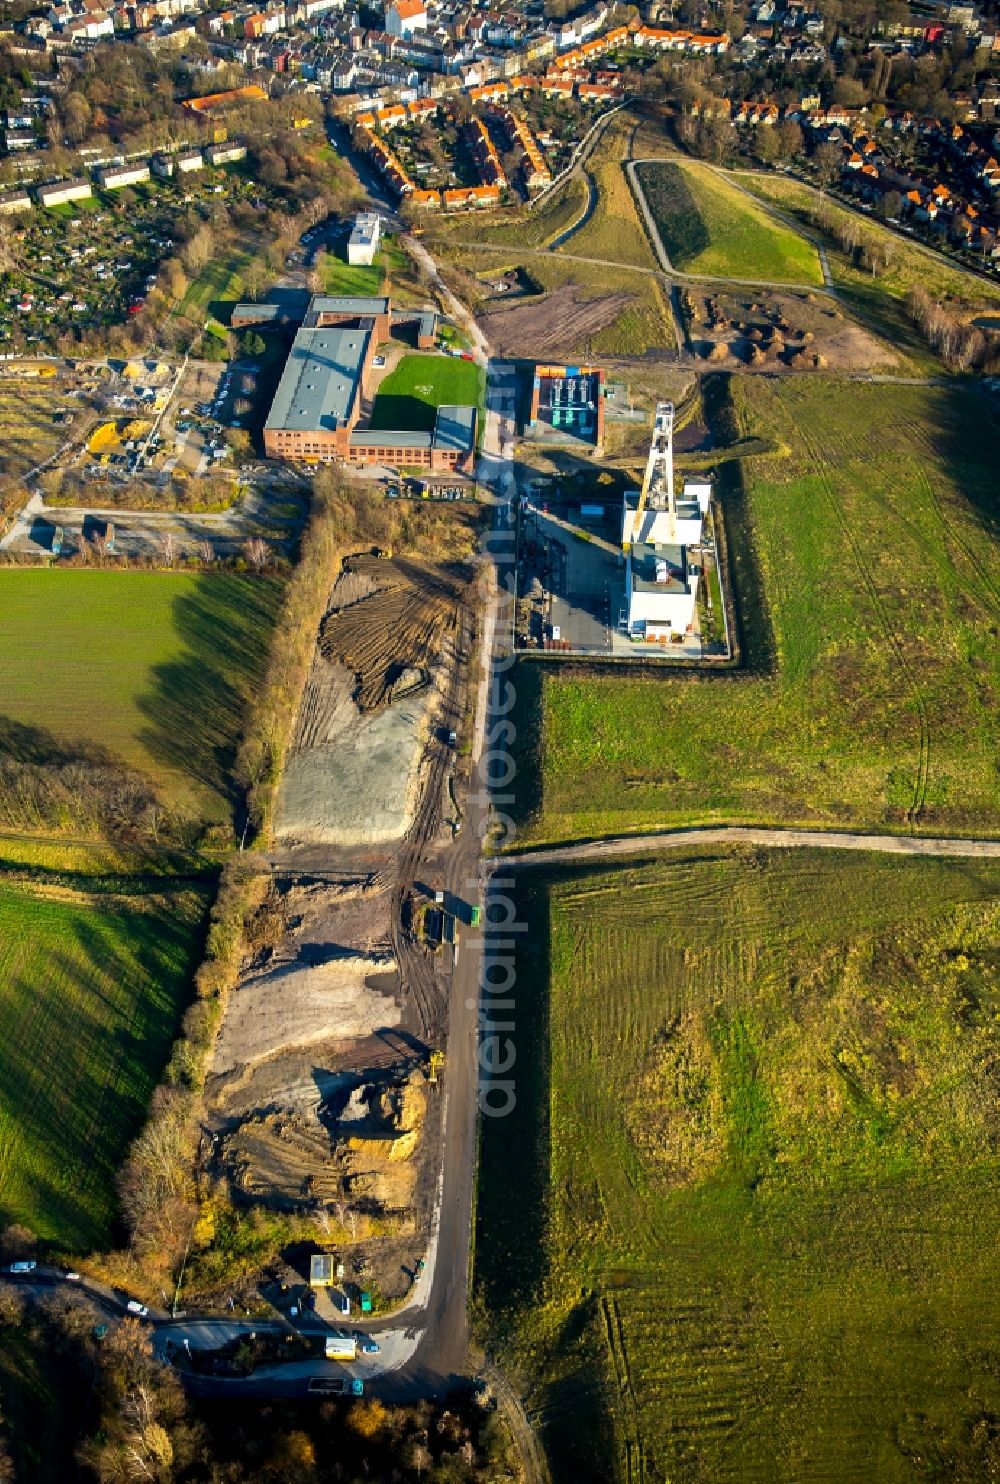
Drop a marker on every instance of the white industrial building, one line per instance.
(362, 244)
(659, 531)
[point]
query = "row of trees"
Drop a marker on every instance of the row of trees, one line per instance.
(961, 345)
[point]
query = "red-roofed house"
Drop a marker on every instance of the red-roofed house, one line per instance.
(403, 17)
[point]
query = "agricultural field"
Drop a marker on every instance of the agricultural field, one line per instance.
(880, 298)
(614, 231)
(865, 561)
(410, 396)
(93, 985)
(153, 669)
(710, 228)
(740, 1223)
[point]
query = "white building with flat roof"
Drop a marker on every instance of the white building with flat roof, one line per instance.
(63, 191)
(362, 244)
(116, 177)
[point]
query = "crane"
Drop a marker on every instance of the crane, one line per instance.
(658, 481)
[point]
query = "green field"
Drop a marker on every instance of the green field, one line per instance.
(741, 1222)
(708, 227)
(410, 395)
(865, 558)
(155, 668)
(92, 985)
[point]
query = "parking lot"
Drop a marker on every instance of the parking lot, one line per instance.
(571, 585)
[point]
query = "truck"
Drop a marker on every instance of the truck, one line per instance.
(475, 915)
(57, 540)
(341, 1347)
(109, 539)
(336, 1386)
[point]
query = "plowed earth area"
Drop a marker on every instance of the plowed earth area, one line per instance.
(554, 325)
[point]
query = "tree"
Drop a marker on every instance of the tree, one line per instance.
(827, 164)
(76, 117)
(252, 344)
(766, 144)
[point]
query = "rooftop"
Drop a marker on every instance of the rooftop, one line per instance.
(644, 559)
(344, 304)
(455, 428)
(321, 377)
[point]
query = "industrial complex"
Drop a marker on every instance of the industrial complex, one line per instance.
(322, 408)
(660, 534)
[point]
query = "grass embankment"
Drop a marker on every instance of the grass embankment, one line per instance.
(410, 396)
(92, 985)
(154, 669)
(708, 227)
(880, 298)
(614, 231)
(740, 1223)
(532, 227)
(868, 548)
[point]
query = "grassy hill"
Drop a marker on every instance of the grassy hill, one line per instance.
(739, 1224)
(709, 227)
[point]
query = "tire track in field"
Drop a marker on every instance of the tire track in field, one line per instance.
(821, 464)
(635, 1455)
(979, 568)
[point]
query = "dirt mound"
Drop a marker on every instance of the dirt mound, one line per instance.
(394, 627)
(335, 1151)
(554, 325)
(301, 1003)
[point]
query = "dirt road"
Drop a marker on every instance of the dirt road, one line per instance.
(629, 845)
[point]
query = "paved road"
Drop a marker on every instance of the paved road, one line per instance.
(626, 845)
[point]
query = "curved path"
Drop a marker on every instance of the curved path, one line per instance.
(611, 846)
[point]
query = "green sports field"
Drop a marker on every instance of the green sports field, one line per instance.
(410, 395)
(153, 667)
(92, 987)
(866, 566)
(741, 1221)
(709, 227)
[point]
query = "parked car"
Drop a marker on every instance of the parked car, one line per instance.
(367, 1345)
(22, 1267)
(134, 1307)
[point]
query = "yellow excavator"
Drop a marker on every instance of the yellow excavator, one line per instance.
(435, 1066)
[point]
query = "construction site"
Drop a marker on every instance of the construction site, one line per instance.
(324, 1091)
(620, 573)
